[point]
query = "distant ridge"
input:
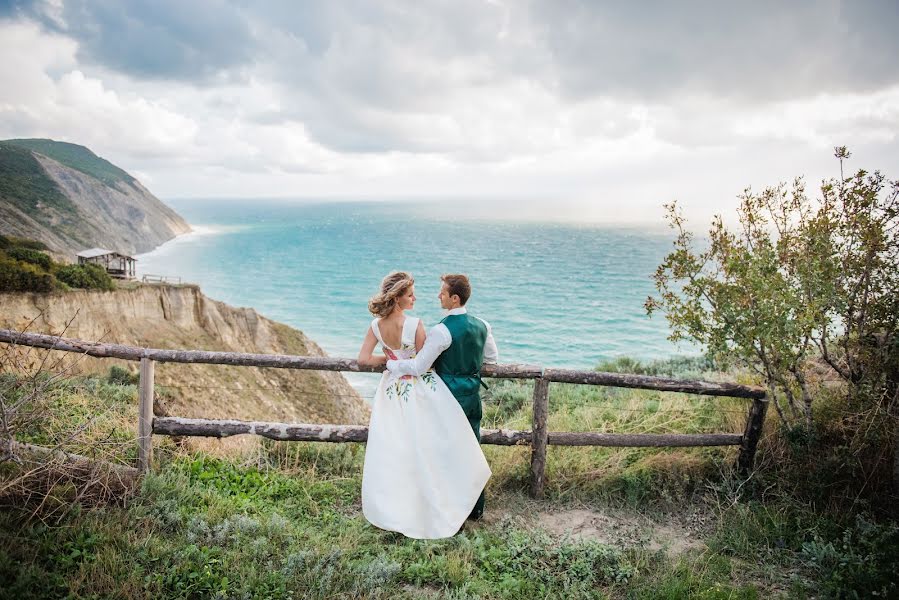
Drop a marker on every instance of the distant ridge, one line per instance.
(66, 196)
(77, 157)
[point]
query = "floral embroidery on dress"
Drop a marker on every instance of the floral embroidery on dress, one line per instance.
(430, 379)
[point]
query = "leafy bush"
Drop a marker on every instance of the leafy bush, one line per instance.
(862, 564)
(122, 376)
(802, 293)
(678, 366)
(85, 276)
(18, 276)
(802, 284)
(30, 255)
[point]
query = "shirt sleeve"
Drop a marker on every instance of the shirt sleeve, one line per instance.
(491, 352)
(438, 340)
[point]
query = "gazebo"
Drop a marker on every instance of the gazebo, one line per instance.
(116, 264)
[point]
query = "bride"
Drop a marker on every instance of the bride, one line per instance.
(424, 469)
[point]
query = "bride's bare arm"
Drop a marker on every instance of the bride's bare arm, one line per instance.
(366, 357)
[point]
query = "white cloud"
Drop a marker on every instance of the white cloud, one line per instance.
(826, 119)
(45, 95)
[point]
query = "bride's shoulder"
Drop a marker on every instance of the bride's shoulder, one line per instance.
(411, 323)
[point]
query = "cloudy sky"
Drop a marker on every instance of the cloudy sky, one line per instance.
(603, 108)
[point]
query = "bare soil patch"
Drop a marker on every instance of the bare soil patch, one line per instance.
(624, 530)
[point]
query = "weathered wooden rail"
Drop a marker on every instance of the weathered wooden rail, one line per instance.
(538, 438)
(161, 279)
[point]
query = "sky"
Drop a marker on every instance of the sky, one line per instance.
(572, 109)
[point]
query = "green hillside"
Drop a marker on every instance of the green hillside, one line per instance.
(76, 157)
(25, 184)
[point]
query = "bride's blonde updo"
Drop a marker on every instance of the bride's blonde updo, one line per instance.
(392, 287)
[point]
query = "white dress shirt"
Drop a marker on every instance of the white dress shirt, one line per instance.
(438, 340)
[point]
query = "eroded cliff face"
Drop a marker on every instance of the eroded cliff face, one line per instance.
(124, 217)
(163, 316)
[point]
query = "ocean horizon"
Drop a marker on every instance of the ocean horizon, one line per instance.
(556, 294)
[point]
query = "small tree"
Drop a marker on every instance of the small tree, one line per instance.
(798, 282)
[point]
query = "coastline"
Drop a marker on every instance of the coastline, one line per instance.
(363, 383)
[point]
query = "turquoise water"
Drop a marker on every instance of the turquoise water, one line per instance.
(556, 294)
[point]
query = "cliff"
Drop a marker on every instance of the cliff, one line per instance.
(161, 316)
(69, 198)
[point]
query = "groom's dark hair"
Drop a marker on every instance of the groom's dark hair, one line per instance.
(457, 285)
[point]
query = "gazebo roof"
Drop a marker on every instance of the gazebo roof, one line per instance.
(95, 252)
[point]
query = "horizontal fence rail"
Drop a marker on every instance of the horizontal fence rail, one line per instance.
(303, 432)
(160, 279)
(538, 438)
(324, 363)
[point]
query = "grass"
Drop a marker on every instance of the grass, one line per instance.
(284, 520)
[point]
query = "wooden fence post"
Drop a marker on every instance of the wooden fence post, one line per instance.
(145, 416)
(539, 437)
(751, 434)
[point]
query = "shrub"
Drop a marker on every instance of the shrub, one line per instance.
(122, 376)
(862, 564)
(30, 255)
(678, 366)
(86, 276)
(18, 276)
(800, 285)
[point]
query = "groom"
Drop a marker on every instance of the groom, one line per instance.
(457, 347)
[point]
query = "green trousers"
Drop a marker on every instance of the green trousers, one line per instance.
(471, 405)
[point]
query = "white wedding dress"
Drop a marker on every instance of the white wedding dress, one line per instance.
(424, 468)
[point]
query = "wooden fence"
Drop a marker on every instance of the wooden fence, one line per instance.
(161, 279)
(538, 437)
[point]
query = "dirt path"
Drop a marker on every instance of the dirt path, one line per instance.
(674, 533)
(621, 529)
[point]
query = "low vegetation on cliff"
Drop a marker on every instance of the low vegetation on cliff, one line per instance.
(25, 266)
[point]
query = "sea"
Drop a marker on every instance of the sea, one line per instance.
(560, 294)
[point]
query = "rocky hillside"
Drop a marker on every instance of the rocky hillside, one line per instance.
(69, 198)
(182, 317)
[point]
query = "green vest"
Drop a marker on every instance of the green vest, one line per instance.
(459, 366)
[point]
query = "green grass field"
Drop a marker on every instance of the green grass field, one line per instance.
(283, 520)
